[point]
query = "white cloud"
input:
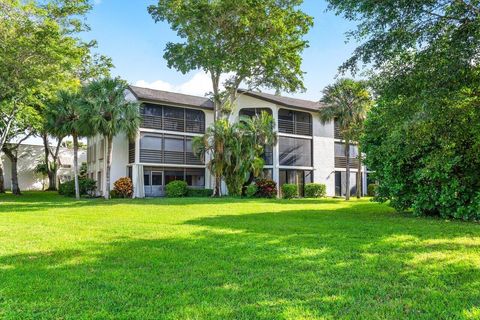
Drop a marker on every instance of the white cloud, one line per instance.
(199, 85)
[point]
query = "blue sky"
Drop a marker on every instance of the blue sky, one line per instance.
(126, 32)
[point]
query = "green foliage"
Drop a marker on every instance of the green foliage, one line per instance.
(199, 193)
(87, 187)
(114, 194)
(422, 138)
(372, 189)
(257, 43)
(347, 102)
(289, 191)
(252, 190)
(236, 149)
(266, 188)
(315, 190)
(82, 172)
(176, 189)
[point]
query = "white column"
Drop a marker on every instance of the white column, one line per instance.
(276, 154)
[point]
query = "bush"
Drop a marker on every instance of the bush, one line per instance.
(315, 190)
(251, 191)
(266, 188)
(176, 189)
(87, 187)
(123, 188)
(371, 189)
(199, 193)
(289, 191)
(114, 194)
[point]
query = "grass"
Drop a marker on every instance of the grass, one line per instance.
(232, 258)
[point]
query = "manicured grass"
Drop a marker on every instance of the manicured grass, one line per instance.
(229, 258)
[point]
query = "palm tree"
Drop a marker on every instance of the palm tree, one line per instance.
(68, 119)
(109, 114)
(236, 150)
(346, 102)
(212, 143)
(261, 129)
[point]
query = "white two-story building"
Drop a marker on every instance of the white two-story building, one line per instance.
(306, 151)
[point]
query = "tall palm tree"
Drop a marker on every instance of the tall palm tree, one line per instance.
(346, 102)
(109, 114)
(261, 129)
(67, 116)
(212, 144)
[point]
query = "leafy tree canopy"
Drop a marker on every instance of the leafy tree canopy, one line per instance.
(258, 43)
(422, 138)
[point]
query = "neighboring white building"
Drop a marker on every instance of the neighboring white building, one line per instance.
(306, 151)
(29, 156)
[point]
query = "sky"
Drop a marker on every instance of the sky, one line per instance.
(127, 33)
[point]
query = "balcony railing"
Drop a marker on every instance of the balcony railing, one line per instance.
(131, 152)
(336, 131)
(295, 127)
(341, 162)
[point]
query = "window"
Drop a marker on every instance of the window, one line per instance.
(294, 122)
(131, 151)
(195, 177)
(298, 177)
(340, 150)
(172, 118)
(175, 150)
(101, 155)
(295, 152)
(268, 155)
(254, 112)
(172, 175)
(194, 121)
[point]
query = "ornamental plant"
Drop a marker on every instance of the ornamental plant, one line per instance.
(289, 191)
(266, 188)
(315, 190)
(123, 188)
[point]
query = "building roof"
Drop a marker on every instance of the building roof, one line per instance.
(284, 101)
(152, 95)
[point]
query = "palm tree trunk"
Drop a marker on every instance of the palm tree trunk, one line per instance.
(2, 178)
(109, 165)
(75, 166)
(217, 192)
(359, 175)
(347, 178)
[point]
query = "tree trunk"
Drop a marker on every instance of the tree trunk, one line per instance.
(2, 178)
(359, 175)
(347, 178)
(75, 166)
(109, 165)
(13, 157)
(217, 191)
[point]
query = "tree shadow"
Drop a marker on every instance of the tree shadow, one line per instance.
(277, 265)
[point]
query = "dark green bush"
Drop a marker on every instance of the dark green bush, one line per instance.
(371, 189)
(315, 190)
(199, 193)
(176, 189)
(87, 187)
(114, 194)
(289, 191)
(266, 188)
(251, 191)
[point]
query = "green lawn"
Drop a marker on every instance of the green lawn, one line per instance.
(229, 258)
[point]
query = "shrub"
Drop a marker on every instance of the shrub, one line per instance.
(371, 189)
(114, 194)
(87, 187)
(123, 187)
(289, 191)
(251, 191)
(315, 190)
(266, 188)
(176, 189)
(199, 193)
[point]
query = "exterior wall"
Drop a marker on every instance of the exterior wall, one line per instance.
(120, 149)
(322, 147)
(29, 157)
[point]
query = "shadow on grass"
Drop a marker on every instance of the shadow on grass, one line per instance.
(348, 263)
(41, 201)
